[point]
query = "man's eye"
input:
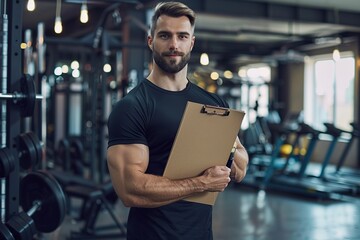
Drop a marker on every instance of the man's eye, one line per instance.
(164, 36)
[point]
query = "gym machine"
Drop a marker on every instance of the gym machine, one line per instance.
(95, 198)
(297, 181)
(349, 179)
(354, 134)
(265, 157)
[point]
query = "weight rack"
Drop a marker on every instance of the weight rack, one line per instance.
(11, 13)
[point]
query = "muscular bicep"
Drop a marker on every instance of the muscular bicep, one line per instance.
(127, 163)
(136, 188)
(241, 159)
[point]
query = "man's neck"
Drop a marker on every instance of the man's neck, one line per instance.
(169, 81)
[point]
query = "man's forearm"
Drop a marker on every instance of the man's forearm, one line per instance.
(155, 191)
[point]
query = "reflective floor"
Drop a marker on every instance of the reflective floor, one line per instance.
(243, 213)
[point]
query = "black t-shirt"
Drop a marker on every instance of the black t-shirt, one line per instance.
(151, 115)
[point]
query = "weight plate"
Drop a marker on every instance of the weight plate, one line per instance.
(7, 162)
(28, 154)
(77, 151)
(37, 144)
(63, 154)
(41, 186)
(5, 232)
(28, 89)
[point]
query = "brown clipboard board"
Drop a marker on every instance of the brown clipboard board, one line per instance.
(204, 139)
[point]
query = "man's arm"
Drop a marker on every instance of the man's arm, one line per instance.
(127, 165)
(240, 162)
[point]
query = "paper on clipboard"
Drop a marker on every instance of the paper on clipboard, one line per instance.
(204, 139)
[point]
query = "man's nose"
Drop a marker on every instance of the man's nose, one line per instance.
(173, 43)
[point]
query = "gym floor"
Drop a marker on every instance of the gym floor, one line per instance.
(246, 214)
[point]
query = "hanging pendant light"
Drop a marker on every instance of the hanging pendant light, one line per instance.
(336, 54)
(84, 16)
(58, 24)
(204, 59)
(30, 6)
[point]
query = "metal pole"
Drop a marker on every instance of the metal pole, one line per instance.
(13, 118)
(4, 58)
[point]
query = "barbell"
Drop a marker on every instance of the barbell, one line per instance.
(25, 99)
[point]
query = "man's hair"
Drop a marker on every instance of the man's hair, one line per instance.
(171, 9)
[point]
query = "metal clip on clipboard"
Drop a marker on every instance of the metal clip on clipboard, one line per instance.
(211, 110)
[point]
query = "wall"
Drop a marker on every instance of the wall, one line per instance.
(296, 87)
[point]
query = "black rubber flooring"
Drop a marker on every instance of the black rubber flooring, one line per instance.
(247, 214)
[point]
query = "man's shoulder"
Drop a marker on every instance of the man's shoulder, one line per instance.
(215, 98)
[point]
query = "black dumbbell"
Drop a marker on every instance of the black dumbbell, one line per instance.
(44, 206)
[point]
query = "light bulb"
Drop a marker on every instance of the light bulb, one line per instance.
(58, 25)
(204, 59)
(214, 76)
(84, 17)
(30, 6)
(107, 68)
(336, 54)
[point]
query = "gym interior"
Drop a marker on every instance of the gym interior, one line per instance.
(291, 65)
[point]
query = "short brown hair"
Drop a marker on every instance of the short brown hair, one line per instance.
(172, 9)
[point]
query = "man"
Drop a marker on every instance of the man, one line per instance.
(142, 129)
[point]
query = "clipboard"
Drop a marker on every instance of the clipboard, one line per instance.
(204, 139)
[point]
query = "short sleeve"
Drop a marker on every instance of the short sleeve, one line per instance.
(126, 123)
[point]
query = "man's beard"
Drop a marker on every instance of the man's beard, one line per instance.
(172, 67)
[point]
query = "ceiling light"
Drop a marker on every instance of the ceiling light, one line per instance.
(30, 6)
(84, 17)
(107, 68)
(58, 24)
(336, 54)
(57, 71)
(204, 59)
(75, 65)
(228, 74)
(75, 73)
(23, 45)
(214, 76)
(64, 68)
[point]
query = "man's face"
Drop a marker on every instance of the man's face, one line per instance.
(172, 43)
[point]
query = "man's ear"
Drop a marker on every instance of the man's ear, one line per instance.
(192, 42)
(149, 42)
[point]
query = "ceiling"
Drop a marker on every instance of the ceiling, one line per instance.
(232, 31)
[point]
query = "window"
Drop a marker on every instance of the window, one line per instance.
(254, 92)
(329, 91)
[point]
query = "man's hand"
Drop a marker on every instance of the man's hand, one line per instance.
(216, 179)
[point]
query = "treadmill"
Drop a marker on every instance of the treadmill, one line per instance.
(298, 182)
(259, 163)
(351, 179)
(354, 134)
